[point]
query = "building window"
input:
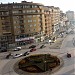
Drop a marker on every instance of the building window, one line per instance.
(30, 25)
(29, 20)
(22, 26)
(34, 20)
(34, 29)
(28, 11)
(33, 11)
(15, 12)
(38, 11)
(2, 18)
(21, 21)
(34, 24)
(22, 31)
(38, 15)
(34, 6)
(26, 6)
(20, 11)
(19, 6)
(24, 21)
(34, 15)
(15, 22)
(15, 27)
(24, 11)
(29, 16)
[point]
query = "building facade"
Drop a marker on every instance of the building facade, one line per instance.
(25, 22)
(70, 16)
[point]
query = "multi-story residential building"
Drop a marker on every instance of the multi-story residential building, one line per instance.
(23, 22)
(55, 18)
(28, 20)
(6, 27)
(63, 22)
(48, 26)
(20, 22)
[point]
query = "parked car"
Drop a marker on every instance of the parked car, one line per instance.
(19, 48)
(3, 50)
(43, 46)
(17, 55)
(32, 46)
(16, 49)
(7, 57)
(33, 49)
(26, 53)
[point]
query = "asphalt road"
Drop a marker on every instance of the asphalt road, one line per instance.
(6, 65)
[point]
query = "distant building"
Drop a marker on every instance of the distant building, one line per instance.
(70, 16)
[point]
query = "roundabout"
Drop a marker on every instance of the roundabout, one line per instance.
(39, 63)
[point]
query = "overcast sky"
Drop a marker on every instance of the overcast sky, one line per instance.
(64, 5)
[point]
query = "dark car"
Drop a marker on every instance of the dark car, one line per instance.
(43, 46)
(32, 46)
(3, 50)
(33, 49)
(68, 55)
(26, 53)
(7, 57)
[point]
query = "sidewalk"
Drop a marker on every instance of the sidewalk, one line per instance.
(55, 45)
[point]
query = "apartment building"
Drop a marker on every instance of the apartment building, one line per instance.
(48, 26)
(28, 20)
(25, 22)
(21, 20)
(55, 18)
(6, 27)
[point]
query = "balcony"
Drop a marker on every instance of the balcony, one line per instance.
(4, 13)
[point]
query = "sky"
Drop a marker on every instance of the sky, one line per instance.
(64, 5)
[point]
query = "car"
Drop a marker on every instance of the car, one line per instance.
(26, 53)
(68, 55)
(16, 49)
(32, 46)
(7, 57)
(19, 48)
(17, 55)
(42, 46)
(3, 50)
(33, 49)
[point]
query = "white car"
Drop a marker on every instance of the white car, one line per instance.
(16, 49)
(17, 55)
(19, 48)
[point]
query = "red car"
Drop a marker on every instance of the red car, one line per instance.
(33, 49)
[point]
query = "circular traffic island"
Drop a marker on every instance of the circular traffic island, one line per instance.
(39, 63)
